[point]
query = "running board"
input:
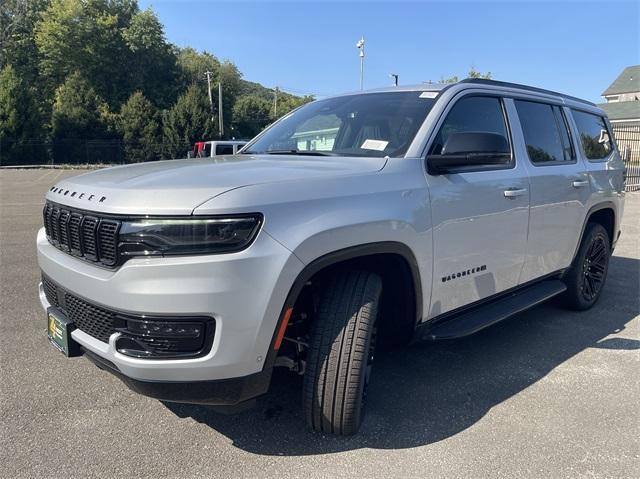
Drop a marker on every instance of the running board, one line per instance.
(488, 314)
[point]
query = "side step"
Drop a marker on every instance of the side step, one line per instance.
(487, 314)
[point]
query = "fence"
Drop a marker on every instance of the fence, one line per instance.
(628, 139)
(87, 152)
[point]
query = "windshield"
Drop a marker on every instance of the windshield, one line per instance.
(370, 124)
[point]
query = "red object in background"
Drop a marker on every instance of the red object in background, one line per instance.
(198, 147)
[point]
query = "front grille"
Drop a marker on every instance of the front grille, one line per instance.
(84, 235)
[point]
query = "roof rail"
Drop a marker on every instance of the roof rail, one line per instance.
(482, 81)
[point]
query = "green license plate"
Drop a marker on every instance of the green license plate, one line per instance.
(59, 329)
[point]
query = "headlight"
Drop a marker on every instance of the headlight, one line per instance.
(152, 237)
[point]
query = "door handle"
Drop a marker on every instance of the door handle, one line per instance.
(580, 183)
(514, 192)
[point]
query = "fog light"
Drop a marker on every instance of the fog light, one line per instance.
(163, 338)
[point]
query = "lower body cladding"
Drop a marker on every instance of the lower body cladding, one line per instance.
(195, 329)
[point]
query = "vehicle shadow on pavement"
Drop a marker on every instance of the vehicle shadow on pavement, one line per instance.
(431, 391)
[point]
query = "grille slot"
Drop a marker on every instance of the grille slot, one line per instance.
(107, 234)
(86, 236)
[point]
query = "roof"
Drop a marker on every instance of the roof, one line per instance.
(439, 87)
(621, 110)
(627, 82)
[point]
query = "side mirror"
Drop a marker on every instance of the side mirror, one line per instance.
(470, 149)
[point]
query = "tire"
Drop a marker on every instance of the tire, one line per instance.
(340, 353)
(585, 280)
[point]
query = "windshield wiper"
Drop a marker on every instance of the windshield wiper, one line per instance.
(298, 152)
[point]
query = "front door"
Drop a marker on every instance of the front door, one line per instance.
(480, 212)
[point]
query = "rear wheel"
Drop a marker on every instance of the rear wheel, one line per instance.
(341, 353)
(588, 273)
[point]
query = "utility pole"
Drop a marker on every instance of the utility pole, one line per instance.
(208, 73)
(275, 102)
(360, 46)
(220, 124)
(395, 78)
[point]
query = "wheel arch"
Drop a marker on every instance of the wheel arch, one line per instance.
(375, 257)
(603, 213)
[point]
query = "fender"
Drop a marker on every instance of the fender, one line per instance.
(335, 257)
(600, 206)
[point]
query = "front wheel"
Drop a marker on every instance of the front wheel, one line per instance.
(341, 353)
(588, 273)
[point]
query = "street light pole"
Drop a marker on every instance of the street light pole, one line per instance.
(360, 46)
(395, 78)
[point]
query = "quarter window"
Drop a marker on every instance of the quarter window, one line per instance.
(594, 135)
(545, 132)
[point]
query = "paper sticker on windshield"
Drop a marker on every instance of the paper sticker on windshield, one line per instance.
(428, 94)
(378, 145)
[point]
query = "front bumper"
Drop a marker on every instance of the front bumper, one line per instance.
(243, 291)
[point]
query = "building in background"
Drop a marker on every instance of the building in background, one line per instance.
(623, 97)
(623, 109)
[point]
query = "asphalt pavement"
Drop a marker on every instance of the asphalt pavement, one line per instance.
(548, 393)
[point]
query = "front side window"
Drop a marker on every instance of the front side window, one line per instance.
(472, 136)
(545, 132)
(594, 135)
(370, 124)
(471, 115)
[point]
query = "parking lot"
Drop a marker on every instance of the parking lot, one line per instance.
(549, 393)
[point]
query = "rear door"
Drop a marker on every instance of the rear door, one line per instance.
(559, 186)
(480, 212)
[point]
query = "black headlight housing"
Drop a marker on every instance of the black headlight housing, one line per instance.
(187, 236)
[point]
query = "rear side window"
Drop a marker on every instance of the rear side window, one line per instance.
(545, 132)
(594, 135)
(475, 114)
(224, 149)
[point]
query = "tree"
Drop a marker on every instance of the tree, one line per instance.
(17, 44)
(188, 121)
(20, 126)
(194, 64)
(86, 36)
(76, 118)
(473, 73)
(250, 115)
(139, 126)
(154, 69)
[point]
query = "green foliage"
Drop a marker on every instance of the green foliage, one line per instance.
(19, 121)
(86, 36)
(251, 113)
(139, 125)
(188, 121)
(153, 65)
(92, 77)
(473, 73)
(77, 115)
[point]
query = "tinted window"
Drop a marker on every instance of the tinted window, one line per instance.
(543, 132)
(594, 135)
(471, 114)
(224, 149)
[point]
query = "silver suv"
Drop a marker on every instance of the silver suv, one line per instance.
(386, 216)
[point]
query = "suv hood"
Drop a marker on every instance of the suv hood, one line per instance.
(177, 187)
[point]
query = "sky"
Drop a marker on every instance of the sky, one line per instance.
(306, 47)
